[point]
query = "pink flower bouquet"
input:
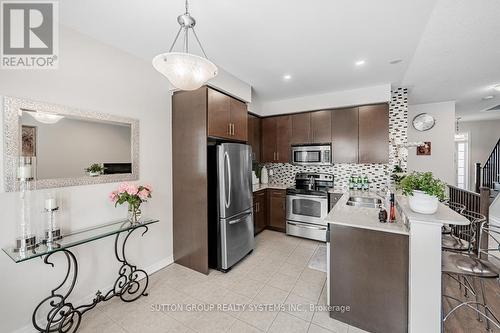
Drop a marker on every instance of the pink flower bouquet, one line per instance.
(133, 195)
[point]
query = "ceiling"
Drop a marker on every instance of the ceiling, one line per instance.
(449, 48)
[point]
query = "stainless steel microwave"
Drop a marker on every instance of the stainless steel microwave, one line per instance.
(312, 154)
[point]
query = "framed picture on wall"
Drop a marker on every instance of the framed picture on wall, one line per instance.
(29, 140)
(425, 149)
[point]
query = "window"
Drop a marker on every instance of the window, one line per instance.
(462, 159)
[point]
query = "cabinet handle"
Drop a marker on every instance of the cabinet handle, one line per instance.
(278, 156)
(258, 207)
(274, 156)
(229, 129)
(232, 125)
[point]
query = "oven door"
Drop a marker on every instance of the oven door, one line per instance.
(306, 208)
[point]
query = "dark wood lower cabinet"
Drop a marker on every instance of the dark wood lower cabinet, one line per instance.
(369, 273)
(259, 211)
(276, 210)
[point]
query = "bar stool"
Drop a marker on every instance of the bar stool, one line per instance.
(474, 267)
(463, 238)
(459, 208)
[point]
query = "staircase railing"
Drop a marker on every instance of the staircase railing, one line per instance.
(491, 168)
(474, 202)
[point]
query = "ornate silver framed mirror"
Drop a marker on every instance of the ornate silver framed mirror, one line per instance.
(71, 146)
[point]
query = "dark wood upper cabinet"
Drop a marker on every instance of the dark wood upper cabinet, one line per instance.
(301, 128)
(268, 143)
(227, 117)
(358, 134)
(283, 133)
(254, 136)
(276, 139)
(321, 126)
(276, 210)
(345, 135)
(239, 119)
(219, 114)
(374, 133)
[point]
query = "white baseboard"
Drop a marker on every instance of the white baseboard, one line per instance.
(88, 299)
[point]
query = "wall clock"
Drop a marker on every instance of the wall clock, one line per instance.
(423, 122)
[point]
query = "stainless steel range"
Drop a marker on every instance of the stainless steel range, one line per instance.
(308, 203)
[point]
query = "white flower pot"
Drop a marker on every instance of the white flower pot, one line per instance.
(94, 174)
(421, 202)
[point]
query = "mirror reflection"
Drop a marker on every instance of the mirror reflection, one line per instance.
(70, 147)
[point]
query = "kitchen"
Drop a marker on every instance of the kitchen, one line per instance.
(328, 173)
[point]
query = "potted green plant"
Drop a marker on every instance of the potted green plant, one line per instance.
(398, 174)
(423, 191)
(95, 170)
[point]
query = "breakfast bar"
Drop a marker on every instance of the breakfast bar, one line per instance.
(388, 273)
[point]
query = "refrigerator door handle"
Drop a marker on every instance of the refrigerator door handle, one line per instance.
(228, 170)
(237, 220)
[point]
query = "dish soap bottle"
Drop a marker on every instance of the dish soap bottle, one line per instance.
(366, 183)
(264, 177)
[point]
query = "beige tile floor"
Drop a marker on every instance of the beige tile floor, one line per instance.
(275, 273)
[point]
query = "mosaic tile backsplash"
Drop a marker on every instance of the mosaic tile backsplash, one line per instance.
(378, 174)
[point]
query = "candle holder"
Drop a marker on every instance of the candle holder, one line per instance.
(26, 238)
(53, 231)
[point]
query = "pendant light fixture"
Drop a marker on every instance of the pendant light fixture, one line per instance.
(184, 70)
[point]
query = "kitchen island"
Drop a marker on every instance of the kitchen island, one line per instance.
(388, 273)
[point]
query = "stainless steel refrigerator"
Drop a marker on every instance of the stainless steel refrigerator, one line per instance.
(231, 232)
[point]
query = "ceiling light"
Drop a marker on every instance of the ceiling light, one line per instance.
(497, 87)
(287, 77)
(359, 63)
(488, 97)
(184, 70)
(395, 61)
(46, 118)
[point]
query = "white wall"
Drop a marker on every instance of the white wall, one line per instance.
(368, 95)
(441, 161)
(230, 84)
(483, 136)
(96, 77)
(66, 148)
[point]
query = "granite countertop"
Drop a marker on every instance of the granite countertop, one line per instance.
(362, 217)
(444, 214)
(260, 187)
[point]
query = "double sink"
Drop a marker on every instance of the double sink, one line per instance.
(364, 202)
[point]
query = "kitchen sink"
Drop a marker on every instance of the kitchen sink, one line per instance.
(364, 202)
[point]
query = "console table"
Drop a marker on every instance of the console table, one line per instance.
(55, 313)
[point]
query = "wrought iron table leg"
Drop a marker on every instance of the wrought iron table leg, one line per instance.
(132, 282)
(56, 314)
(61, 315)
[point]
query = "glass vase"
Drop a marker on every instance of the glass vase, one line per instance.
(134, 214)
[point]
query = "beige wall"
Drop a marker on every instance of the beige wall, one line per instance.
(483, 135)
(442, 138)
(92, 76)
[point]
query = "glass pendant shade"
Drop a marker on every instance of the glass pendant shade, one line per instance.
(46, 118)
(184, 70)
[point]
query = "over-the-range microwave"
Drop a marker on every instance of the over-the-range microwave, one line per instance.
(312, 154)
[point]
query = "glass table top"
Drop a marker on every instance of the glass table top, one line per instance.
(78, 237)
